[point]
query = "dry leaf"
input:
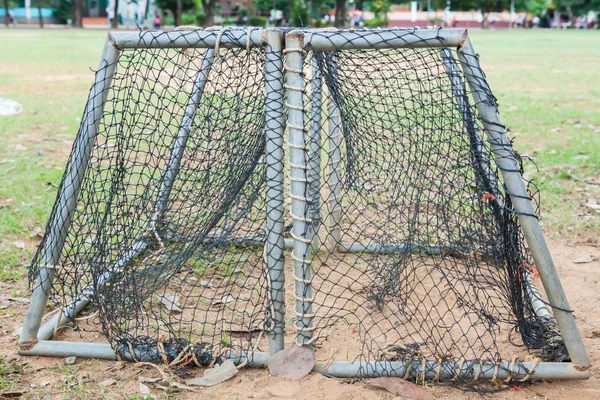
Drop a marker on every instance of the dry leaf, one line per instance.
(37, 231)
(224, 300)
(19, 244)
(296, 362)
(216, 375)
(4, 303)
(585, 260)
(143, 379)
(107, 382)
(19, 299)
(145, 390)
(404, 389)
(70, 360)
(170, 301)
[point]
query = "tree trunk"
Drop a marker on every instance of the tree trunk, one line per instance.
(39, 7)
(340, 13)
(76, 20)
(209, 11)
(485, 22)
(6, 21)
(115, 21)
(146, 17)
(178, 13)
(250, 8)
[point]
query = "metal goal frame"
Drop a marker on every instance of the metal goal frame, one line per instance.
(304, 170)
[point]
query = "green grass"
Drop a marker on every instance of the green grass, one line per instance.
(546, 83)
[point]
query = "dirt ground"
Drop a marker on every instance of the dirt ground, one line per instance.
(51, 378)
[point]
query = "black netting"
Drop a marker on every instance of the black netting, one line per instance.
(168, 233)
(417, 257)
(428, 261)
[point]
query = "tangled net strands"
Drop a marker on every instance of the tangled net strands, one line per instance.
(414, 248)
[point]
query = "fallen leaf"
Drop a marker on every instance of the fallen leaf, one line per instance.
(178, 385)
(205, 284)
(585, 260)
(17, 331)
(170, 301)
(115, 365)
(19, 245)
(107, 382)
(296, 362)
(216, 375)
(19, 299)
(20, 147)
(145, 390)
(45, 382)
(403, 388)
(224, 300)
(36, 232)
(70, 360)
(595, 334)
(4, 303)
(144, 379)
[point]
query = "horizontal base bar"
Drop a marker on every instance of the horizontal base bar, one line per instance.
(387, 248)
(339, 369)
(103, 351)
(448, 370)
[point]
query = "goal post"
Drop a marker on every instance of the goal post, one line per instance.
(35, 339)
(412, 238)
(495, 151)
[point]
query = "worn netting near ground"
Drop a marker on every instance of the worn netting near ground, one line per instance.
(418, 251)
(167, 239)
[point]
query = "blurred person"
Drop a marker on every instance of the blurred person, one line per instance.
(11, 18)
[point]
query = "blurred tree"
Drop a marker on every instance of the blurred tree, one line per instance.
(380, 8)
(6, 20)
(340, 13)
(177, 7)
(114, 24)
(299, 14)
(77, 13)
(39, 7)
(209, 11)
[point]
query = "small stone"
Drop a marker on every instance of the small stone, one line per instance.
(39, 152)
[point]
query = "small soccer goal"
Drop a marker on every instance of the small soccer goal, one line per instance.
(392, 233)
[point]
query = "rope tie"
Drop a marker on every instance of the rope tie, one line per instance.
(218, 40)
(408, 369)
(534, 364)
(302, 219)
(248, 39)
(495, 375)
(301, 239)
(458, 370)
(438, 369)
(298, 166)
(511, 369)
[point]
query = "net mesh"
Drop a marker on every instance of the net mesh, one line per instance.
(175, 181)
(418, 255)
(417, 250)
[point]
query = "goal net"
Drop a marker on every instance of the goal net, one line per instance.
(414, 246)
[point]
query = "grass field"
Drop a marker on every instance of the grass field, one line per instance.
(547, 84)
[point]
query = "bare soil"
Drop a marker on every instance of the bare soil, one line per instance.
(51, 378)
